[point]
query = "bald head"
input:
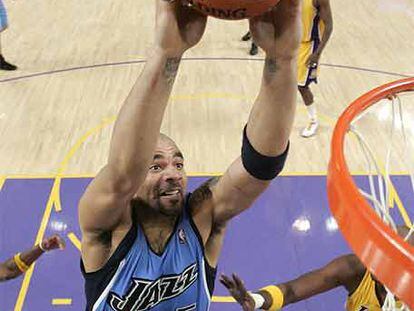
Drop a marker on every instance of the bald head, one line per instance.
(167, 139)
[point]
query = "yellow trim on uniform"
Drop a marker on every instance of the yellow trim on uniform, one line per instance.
(364, 296)
(309, 39)
(305, 50)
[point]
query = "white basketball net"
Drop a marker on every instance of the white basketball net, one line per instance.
(396, 146)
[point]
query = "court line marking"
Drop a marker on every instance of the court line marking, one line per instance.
(222, 299)
(54, 200)
(329, 120)
(112, 119)
(191, 174)
(61, 301)
(40, 233)
(75, 241)
(140, 61)
(2, 181)
(73, 150)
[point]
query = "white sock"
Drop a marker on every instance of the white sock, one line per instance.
(258, 300)
(312, 113)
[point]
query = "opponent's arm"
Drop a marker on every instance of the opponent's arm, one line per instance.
(21, 262)
(325, 13)
(104, 204)
(344, 271)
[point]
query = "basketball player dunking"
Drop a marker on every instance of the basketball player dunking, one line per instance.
(147, 245)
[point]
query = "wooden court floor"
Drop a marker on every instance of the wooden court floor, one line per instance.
(78, 61)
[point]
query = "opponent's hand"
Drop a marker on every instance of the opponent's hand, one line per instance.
(236, 288)
(178, 26)
(313, 60)
(52, 242)
(278, 31)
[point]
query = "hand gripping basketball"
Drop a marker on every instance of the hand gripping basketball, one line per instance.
(178, 27)
(233, 9)
(278, 31)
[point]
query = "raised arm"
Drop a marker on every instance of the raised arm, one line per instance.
(21, 262)
(344, 271)
(104, 207)
(267, 132)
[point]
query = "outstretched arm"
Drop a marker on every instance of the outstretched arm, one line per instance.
(344, 271)
(270, 122)
(14, 267)
(104, 208)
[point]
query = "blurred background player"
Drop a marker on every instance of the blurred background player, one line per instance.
(364, 291)
(21, 262)
(317, 26)
(4, 65)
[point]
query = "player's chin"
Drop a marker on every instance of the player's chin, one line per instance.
(171, 205)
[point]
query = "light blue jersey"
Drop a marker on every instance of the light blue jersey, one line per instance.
(136, 278)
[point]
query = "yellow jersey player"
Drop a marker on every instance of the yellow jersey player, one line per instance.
(317, 26)
(364, 291)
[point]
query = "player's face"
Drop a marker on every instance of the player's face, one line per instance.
(165, 185)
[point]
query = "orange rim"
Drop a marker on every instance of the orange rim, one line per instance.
(386, 254)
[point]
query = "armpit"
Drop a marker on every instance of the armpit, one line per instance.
(202, 193)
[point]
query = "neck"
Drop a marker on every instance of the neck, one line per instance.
(157, 226)
(154, 219)
(150, 217)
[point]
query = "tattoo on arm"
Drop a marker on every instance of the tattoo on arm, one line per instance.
(270, 69)
(203, 192)
(271, 65)
(171, 69)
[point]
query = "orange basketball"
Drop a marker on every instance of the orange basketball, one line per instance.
(232, 9)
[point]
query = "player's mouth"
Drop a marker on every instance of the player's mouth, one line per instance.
(170, 193)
